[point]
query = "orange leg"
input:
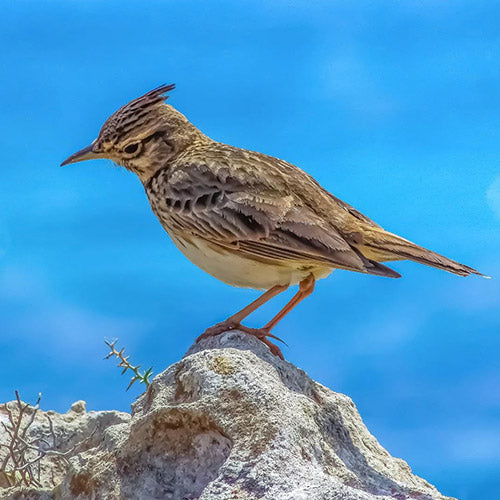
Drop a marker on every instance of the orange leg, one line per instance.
(260, 301)
(306, 287)
(235, 320)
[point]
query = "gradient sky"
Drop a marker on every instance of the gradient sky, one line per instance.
(393, 106)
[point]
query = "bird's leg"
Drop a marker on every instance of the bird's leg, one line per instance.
(306, 287)
(234, 321)
(260, 301)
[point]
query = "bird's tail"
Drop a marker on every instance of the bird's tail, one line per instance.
(381, 245)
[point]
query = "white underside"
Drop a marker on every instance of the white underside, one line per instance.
(241, 271)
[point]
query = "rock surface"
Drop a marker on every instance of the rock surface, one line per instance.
(230, 421)
(76, 430)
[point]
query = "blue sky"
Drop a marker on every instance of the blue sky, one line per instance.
(392, 106)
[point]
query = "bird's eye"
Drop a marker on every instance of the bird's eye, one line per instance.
(131, 148)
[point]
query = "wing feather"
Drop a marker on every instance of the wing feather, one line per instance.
(254, 220)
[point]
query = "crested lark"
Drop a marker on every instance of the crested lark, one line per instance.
(246, 218)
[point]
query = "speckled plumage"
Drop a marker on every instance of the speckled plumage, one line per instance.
(247, 218)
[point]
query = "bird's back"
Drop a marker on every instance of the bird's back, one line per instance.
(284, 188)
(259, 171)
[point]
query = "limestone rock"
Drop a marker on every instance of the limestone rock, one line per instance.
(230, 421)
(60, 432)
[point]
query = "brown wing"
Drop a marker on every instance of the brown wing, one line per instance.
(252, 218)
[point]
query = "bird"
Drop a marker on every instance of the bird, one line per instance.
(249, 219)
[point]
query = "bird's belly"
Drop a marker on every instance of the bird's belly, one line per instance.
(237, 270)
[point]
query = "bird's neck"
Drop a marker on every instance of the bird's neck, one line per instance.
(182, 135)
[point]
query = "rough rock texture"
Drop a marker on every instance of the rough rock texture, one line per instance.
(76, 429)
(232, 422)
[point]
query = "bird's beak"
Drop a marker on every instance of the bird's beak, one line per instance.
(82, 155)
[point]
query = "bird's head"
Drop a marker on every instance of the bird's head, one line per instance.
(141, 136)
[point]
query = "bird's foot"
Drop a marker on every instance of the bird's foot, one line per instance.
(260, 333)
(224, 326)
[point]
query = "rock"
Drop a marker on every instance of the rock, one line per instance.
(230, 421)
(60, 432)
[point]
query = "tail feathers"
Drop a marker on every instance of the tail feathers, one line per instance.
(373, 267)
(379, 269)
(388, 246)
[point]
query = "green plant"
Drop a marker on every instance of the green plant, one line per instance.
(143, 378)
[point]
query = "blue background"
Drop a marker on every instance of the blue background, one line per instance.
(393, 106)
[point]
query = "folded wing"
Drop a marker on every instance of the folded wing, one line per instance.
(256, 221)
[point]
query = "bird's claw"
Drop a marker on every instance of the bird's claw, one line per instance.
(217, 329)
(260, 333)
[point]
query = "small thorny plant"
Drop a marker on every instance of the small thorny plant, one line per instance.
(22, 453)
(142, 377)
